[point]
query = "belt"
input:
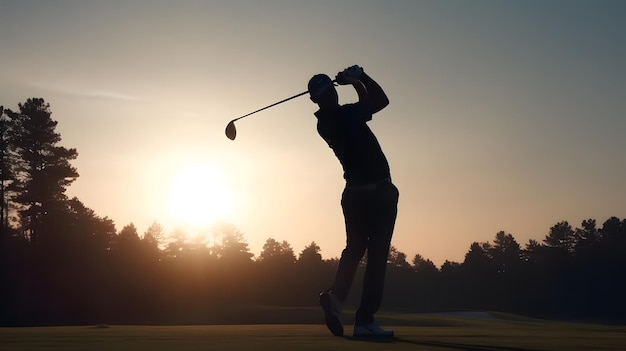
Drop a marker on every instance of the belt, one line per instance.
(369, 186)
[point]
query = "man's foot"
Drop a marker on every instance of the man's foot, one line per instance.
(371, 330)
(332, 310)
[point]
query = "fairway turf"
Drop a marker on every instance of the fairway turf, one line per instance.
(413, 332)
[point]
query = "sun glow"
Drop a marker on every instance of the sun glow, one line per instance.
(200, 197)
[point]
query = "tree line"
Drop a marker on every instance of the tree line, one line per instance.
(61, 263)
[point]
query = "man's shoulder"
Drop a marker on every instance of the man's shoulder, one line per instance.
(357, 111)
(342, 112)
(353, 105)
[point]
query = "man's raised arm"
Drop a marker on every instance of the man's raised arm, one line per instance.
(368, 90)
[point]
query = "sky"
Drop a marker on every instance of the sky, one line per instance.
(504, 115)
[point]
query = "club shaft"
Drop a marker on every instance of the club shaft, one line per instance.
(274, 104)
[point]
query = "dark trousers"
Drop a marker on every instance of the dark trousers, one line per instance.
(370, 216)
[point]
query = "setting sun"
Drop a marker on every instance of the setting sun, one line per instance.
(200, 196)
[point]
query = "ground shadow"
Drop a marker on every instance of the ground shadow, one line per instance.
(443, 345)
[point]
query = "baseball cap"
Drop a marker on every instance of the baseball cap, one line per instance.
(318, 84)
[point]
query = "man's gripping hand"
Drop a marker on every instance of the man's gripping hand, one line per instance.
(349, 75)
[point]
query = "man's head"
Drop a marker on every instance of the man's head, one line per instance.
(322, 90)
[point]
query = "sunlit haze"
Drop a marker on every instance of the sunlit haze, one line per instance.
(199, 197)
(504, 115)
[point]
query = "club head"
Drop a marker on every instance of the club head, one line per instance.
(231, 131)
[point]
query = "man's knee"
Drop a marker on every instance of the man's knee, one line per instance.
(354, 252)
(379, 252)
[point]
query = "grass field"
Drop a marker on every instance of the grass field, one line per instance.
(476, 331)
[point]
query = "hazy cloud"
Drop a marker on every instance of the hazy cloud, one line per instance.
(87, 92)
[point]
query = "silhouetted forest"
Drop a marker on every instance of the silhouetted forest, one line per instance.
(61, 263)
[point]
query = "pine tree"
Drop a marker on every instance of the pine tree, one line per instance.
(4, 174)
(42, 170)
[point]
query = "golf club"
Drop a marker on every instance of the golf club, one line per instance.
(231, 131)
